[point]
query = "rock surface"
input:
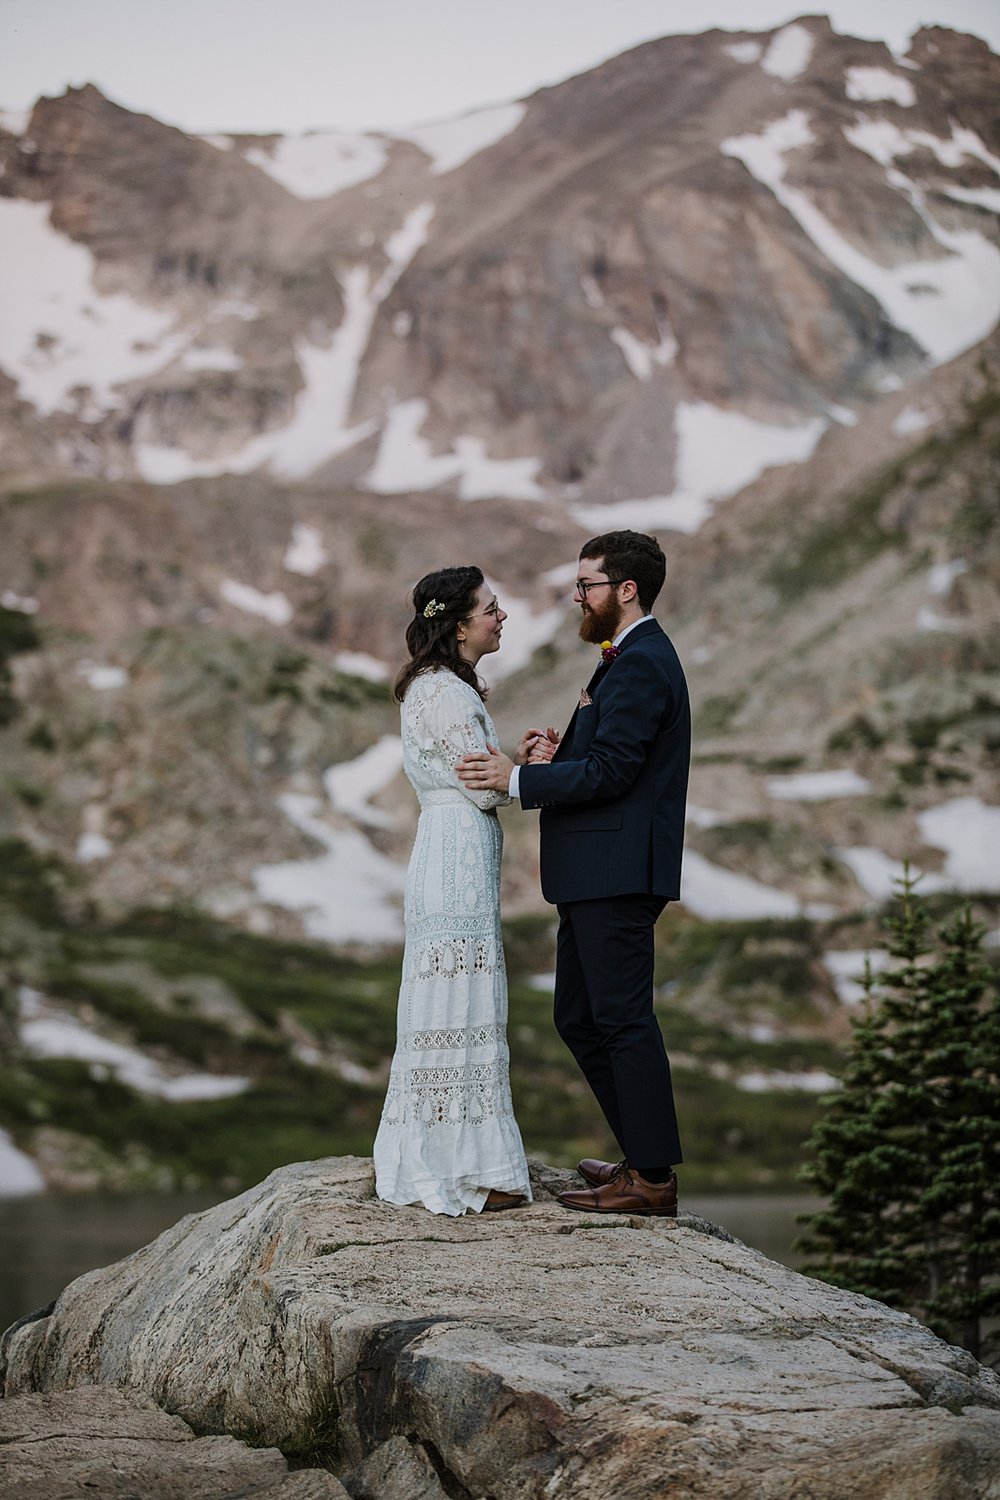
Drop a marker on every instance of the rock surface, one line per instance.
(107, 1443)
(530, 1353)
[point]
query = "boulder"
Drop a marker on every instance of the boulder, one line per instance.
(536, 1352)
(95, 1441)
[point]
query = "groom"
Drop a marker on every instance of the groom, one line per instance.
(612, 791)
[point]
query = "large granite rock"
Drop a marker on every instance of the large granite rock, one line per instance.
(530, 1353)
(104, 1443)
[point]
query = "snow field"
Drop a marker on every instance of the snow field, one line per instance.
(946, 305)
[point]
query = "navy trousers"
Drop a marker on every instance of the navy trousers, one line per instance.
(604, 1014)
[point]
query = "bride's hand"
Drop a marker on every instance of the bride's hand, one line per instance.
(526, 744)
(544, 747)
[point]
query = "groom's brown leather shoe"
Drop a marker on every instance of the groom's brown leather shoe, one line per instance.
(626, 1193)
(597, 1173)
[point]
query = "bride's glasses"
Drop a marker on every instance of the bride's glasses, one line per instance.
(492, 609)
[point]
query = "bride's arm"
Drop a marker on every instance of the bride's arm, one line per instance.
(458, 730)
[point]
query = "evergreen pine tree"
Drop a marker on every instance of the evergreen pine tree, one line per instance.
(908, 1152)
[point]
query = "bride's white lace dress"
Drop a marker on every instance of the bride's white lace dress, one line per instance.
(448, 1132)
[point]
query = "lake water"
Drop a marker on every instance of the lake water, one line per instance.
(47, 1241)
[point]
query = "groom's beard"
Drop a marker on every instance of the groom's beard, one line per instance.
(600, 621)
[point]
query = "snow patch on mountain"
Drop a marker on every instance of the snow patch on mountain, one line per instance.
(348, 894)
(211, 359)
(884, 141)
(910, 420)
(320, 163)
(968, 830)
(305, 553)
(48, 1031)
(946, 305)
(642, 359)
(818, 786)
(273, 607)
(68, 345)
(988, 198)
(102, 677)
(23, 603)
(846, 967)
(350, 784)
(451, 143)
(15, 121)
(406, 461)
(943, 575)
(873, 84)
(744, 52)
(719, 453)
(788, 55)
(719, 895)
(360, 664)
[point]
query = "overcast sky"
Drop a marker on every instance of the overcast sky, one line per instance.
(288, 65)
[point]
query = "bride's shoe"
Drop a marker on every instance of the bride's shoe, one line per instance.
(496, 1200)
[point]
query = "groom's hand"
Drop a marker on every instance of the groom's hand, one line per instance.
(482, 772)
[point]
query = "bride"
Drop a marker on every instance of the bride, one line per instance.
(448, 1138)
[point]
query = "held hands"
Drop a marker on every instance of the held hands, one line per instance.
(536, 747)
(482, 772)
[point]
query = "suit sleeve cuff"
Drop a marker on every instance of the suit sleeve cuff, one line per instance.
(512, 790)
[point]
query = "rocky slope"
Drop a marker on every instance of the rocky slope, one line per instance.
(617, 1357)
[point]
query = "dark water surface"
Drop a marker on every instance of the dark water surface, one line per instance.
(47, 1241)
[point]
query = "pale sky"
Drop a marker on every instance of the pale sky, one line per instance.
(292, 65)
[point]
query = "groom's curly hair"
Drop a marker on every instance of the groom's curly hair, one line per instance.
(634, 555)
(432, 638)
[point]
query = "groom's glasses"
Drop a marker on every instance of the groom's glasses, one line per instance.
(583, 588)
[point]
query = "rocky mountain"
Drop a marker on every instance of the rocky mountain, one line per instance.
(740, 289)
(723, 239)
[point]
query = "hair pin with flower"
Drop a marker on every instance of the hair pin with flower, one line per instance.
(433, 608)
(609, 651)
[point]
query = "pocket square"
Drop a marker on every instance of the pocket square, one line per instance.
(585, 699)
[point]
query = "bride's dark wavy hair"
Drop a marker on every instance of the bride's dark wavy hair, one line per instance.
(432, 639)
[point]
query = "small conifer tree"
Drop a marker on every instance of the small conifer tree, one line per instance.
(908, 1152)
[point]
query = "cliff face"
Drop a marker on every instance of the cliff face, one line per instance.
(525, 1354)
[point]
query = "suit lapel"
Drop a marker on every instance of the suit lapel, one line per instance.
(645, 628)
(602, 667)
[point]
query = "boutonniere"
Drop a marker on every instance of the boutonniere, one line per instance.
(609, 652)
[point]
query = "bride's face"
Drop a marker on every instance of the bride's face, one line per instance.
(480, 633)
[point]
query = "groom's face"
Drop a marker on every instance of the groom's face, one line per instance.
(600, 604)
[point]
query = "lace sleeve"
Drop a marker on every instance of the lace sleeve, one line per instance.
(456, 723)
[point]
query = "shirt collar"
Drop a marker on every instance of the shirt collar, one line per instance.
(623, 633)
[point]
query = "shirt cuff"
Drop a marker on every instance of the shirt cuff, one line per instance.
(512, 790)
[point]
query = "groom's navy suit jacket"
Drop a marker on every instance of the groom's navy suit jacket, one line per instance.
(612, 798)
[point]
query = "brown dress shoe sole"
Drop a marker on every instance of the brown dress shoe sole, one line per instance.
(667, 1212)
